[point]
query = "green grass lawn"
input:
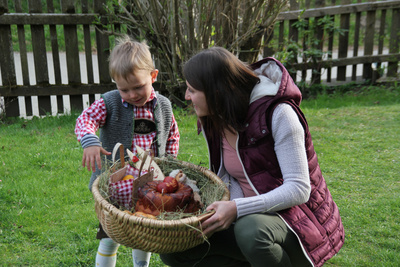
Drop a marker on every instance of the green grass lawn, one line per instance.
(47, 213)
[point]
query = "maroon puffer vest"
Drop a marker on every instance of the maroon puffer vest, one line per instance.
(317, 222)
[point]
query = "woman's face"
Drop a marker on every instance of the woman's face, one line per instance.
(198, 99)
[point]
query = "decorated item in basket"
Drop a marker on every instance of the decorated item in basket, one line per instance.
(121, 187)
(181, 177)
(143, 161)
(168, 195)
(121, 193)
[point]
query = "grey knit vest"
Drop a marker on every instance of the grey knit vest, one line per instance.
(120, 121)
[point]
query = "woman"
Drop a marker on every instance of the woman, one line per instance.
(281, 212)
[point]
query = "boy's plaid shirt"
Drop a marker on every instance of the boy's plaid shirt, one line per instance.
(94, 117)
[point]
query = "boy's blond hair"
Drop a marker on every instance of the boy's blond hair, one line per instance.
(129, 55)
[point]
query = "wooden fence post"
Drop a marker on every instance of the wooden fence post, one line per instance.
(7, 64)
(88, 49)
(39, 46)
(394, 42)
(305, 42)
(56, 57)
(40, 57)
(103, 44)
(343, 42)
(369, 43)
(7, 67)
(281, 37)
(330, 48)
(382, 25)
(356, 40)
(293, 33)
(72, 54)
(319, 35)
(24, 59)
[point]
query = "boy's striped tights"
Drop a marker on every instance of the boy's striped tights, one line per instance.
(107, 255)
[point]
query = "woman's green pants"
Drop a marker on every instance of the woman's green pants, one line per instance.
(254, 240)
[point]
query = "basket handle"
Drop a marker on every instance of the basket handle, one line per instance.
(205, 216)
(121, 153)
(144, 158)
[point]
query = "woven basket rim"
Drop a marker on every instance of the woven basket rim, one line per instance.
(156, 223)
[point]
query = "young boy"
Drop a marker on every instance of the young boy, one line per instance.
(134, 114)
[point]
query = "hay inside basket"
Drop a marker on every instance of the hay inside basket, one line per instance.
(170, 232)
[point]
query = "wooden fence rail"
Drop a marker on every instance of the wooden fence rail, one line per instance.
(36, 64)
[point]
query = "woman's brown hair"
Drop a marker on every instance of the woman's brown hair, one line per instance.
(227, 84)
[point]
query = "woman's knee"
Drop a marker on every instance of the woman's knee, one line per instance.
(258, 236)
(249, 233)
(246, 237)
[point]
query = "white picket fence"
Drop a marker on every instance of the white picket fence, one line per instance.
(64, 80)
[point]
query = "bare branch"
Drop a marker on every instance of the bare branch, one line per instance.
(176, 29)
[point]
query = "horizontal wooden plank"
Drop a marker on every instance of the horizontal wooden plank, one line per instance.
(60, 19)
(77, 89)
(339, 9)
(388, 80)
(46, 19)
(39, 90)
(74, 19)
(347, 61)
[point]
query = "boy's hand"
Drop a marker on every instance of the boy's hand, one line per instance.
(91, 155)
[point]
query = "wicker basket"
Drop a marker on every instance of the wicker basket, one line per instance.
(153, 235)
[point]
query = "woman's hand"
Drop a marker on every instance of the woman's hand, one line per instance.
(91, 155)
(225, 214)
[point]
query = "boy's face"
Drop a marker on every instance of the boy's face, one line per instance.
(137, 87)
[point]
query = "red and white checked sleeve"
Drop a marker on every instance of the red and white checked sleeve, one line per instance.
(91, 119)
(173, 139)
